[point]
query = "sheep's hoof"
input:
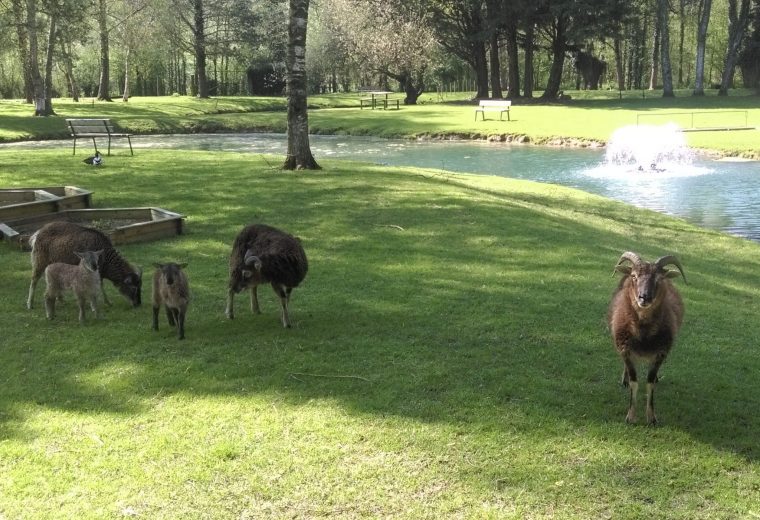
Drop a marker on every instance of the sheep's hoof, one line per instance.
(630, 418)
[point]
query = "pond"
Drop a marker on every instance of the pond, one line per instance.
(713, 194)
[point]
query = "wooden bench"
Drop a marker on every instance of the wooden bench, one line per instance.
(94, 128)
(500, 105)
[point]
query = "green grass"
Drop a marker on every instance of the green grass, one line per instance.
(468, 311)
(588, 120)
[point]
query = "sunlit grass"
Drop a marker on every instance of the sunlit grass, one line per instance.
(589, 119)
(448, 357)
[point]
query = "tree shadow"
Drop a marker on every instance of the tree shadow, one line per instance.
(403, 313)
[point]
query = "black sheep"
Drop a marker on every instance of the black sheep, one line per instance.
(263, 254)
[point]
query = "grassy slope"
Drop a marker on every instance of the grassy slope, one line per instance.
(471, 307)
(593, 119)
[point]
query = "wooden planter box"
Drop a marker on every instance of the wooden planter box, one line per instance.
(122, 225)
(16, 203)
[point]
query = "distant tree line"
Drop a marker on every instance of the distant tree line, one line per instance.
(500, 48)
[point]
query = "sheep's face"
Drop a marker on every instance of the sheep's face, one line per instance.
(89, 259)
(646, 282)
(131, 288)
(171, 272)
(242, 278)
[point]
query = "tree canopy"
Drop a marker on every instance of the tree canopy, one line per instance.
(107, 48)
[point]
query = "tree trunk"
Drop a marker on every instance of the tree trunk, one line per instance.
(125, 94)
(299, 152)
(104, 86)
(199, 46)
(558, 62)
(493, 16)
(663, 15)
(655, 51)
(68, 70)
(22, 37)
(513, 65)
(619, 65)
(480, 64)
(495, 66)
(528, 75)
(704, 22)
(737, 25)
(38, 86)
(53, 29)
(681, 37)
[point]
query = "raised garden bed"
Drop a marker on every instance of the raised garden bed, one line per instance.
(122, 225)
(16, 203)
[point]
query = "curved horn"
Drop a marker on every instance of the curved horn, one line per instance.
(631, 257)
(251, 259)
(670, 260)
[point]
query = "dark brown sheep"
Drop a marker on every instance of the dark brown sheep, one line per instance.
(57, 242)
(263, 254)
(644, 317)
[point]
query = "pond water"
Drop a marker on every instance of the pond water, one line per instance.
(719, 195)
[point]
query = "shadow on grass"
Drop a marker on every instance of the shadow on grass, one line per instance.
(462, 306)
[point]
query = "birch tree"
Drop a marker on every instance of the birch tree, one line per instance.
(299, 152)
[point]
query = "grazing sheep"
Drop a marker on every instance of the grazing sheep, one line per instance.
(263, 254)
(83, 279)
(172, 289)
(57, 241)
(644, 316)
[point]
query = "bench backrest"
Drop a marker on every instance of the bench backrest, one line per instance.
(497, 103)
(90, 126)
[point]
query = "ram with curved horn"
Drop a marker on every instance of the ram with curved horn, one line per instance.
(263, 254)
(644, 317)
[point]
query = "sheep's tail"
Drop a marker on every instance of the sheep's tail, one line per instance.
(32, 243)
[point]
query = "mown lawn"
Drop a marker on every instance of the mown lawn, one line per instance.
(448, 358)
(589, 118)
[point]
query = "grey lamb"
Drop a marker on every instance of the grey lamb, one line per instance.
(82, 279)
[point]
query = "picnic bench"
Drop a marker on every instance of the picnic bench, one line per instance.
(500, 105)
(95, 128)
(378, 98)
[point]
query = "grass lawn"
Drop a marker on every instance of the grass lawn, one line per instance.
(448, 359)
(591, 117)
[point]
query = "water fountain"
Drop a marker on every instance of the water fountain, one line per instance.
(649, 148)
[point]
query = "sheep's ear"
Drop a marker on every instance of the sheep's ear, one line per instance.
(80, 255)
(246, 273)
(625, 269)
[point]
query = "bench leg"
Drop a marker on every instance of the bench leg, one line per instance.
(129, 140)
(94, 144)
(109, 146)
(75, 147)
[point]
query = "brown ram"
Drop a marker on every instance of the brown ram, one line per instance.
(644, 317)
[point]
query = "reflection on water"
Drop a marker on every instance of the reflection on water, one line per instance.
(712, 194)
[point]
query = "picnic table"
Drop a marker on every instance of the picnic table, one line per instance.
(377, 98)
